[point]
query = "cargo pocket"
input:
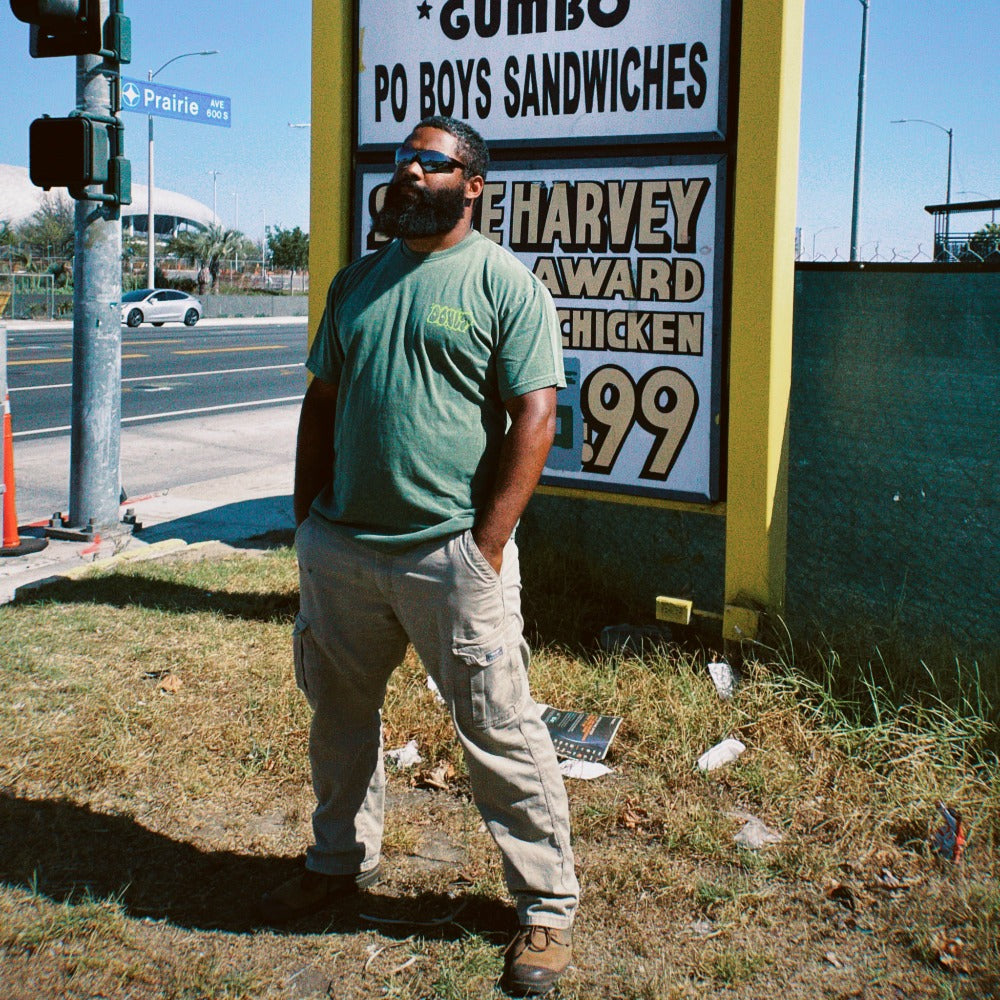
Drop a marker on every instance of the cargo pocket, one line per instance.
(495, 684)
(302, 650)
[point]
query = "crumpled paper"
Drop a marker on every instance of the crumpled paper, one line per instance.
(585, 770)
(405, 756)
(722, 753)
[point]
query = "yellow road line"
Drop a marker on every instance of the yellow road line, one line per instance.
(62, 361)
(232, 350)
(36, 350)
(150, 343)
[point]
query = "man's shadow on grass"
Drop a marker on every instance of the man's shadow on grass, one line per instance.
(68, 853)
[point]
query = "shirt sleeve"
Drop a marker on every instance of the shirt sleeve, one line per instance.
(530, 346)
(326, 359)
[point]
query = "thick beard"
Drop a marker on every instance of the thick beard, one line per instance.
(409, 211)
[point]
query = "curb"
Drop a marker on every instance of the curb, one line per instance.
(155, 551)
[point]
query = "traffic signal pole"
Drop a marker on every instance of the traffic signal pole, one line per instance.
(95, 436)
(81, 152)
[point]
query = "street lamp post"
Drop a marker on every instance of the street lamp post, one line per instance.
(215, 185)
(947, 199)
(263, 246)
(150, 215)
(859, 138)
(236, 198)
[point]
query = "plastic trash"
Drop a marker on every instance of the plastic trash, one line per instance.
(406, 756)
(950, 840)
(434, 690)
(724, 678)
(722, 753)
(584, 770)
(756, 833)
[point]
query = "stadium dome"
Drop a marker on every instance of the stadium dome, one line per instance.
(20, 199)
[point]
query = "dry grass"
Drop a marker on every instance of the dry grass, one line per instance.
(154, 781)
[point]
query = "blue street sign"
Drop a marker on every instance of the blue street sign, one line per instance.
(171, 102)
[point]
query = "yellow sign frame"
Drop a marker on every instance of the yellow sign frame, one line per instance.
(760, 339)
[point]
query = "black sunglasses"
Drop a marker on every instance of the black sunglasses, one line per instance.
(430, 160)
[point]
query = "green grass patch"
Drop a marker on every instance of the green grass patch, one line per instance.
(153, 780)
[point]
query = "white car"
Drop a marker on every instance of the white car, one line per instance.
(159, 306)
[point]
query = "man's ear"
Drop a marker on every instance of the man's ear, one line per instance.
(474, 187)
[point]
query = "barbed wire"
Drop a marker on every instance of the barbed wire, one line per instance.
(895, 255)
(958, 249)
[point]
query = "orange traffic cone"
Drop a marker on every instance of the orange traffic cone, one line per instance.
(13, 544)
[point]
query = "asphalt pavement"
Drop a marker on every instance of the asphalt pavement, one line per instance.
(225, 480)
(164, 373)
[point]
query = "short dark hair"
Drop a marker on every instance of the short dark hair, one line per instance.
(471, 145)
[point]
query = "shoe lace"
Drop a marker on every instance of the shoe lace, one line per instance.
(534, 937)
(535, 931)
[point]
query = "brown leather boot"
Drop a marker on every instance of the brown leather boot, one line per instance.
(535, 959)
(311, 891)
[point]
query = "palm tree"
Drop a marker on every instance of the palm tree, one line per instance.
(209, 247)
(983, 246)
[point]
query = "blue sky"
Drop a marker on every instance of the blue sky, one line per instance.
(932, 59)
(927, 59)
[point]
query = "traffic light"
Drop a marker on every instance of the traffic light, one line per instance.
(84, 149)
(74, 28)
(61, 27)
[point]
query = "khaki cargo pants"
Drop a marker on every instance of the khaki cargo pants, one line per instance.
(359, 607)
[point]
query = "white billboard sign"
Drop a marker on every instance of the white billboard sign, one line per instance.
(559, 72)
(633, 256)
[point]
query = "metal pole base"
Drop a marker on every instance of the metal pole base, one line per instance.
(59, 527)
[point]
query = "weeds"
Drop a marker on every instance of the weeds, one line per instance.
(154, 813)
(466, 971)
(79, 917)
(731, 966)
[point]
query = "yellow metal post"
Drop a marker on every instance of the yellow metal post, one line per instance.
(333, 84)
(763, 287)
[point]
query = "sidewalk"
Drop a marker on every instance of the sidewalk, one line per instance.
(246, 510)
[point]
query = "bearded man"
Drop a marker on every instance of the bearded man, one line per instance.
(422, 437)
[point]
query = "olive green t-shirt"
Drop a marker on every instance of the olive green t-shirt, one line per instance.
(427, 347)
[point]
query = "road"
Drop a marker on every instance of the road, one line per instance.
(167, 373)
(197, 405)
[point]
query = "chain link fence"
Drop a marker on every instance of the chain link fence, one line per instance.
(26, 295)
